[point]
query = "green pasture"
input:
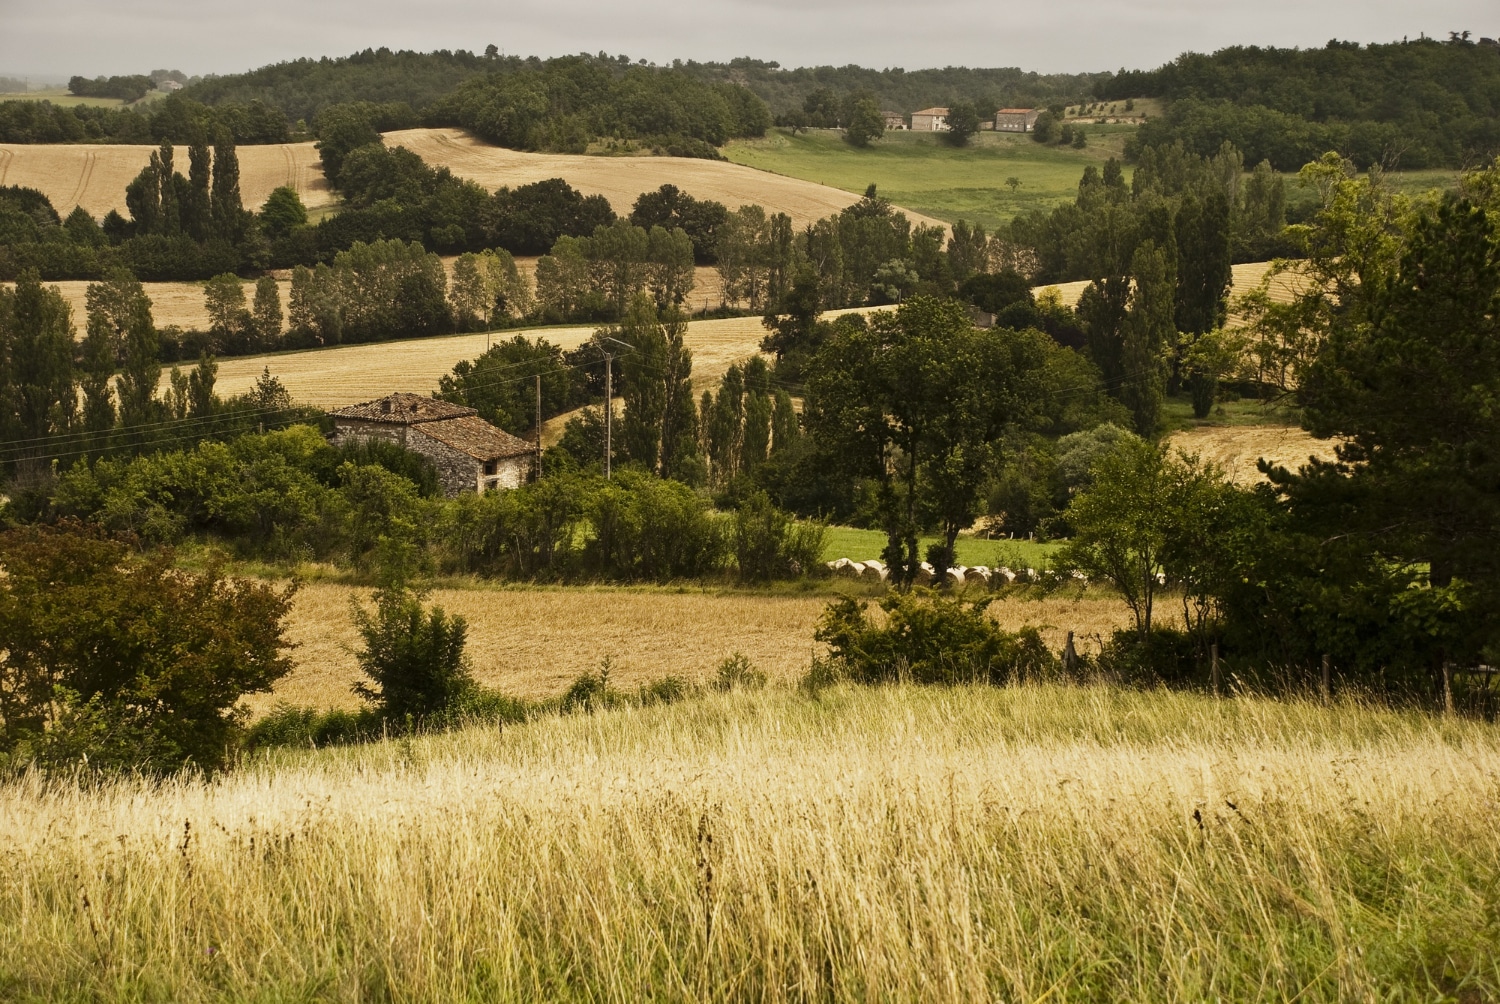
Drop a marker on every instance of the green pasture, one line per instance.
(862, 545)
(60, 96)
(923, 173)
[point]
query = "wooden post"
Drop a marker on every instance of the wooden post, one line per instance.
(609, 408)
(1213, 655)
(1447, 687)
(1070, 656)
(538, 427)
(1326, 689)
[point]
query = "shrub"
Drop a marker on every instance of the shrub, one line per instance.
(927, 638)
(1165, 657)
(127, 661)
(667, 690)
(770, 544)
(413, 656)
(738, 672)
(592, 692)
(287, 725)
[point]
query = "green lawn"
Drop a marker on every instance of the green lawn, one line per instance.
(921, 172)
(1177, 413)
(861, 545)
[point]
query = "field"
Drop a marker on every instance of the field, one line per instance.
(60, 96)
(945, 845)
(532, 642)
(920, 171)
(1237, 448)
(622, 179)
(94, 176)
(862, 545)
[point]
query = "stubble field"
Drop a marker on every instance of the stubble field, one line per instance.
(533, 642)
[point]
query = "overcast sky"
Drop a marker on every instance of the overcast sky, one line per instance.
(57, 38)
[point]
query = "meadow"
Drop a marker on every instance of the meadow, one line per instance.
(924, 173)
(967, 844)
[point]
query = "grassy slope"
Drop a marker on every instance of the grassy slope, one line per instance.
(868, 844)
(920, 171)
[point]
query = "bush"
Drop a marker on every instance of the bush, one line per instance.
(738, 673)
(928, 638)
(413, 656)
(125, 661)
(592, 692)
(1165, 657)
(770, 544)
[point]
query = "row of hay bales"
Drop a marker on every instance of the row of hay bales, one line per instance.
(959, 575)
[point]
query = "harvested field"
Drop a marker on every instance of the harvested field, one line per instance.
(95, 176)
(332, 378)
(533, 642)
(1237, 448)
(1246, 278)
(622, 179)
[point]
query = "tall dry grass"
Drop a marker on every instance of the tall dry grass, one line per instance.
(884, 844)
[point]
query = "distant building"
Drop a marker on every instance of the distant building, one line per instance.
(470, 454)
(930, 120)
(894, 121)
(1016, 119)
(168, 85)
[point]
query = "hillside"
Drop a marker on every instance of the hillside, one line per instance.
(94, 176)
(622, 179)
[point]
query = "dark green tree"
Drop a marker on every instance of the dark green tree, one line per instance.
(197, 219)
(228, 214)
(1145, 332)
(963, 123)
(36, 333)
(865, 123)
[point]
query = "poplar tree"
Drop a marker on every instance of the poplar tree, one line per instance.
(1145, 332)
(196, 207)
(170, 220)
(140, 371)
(227, 213)
(267, 312)
(38, 338)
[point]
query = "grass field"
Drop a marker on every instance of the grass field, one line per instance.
(533, 642)
(923, 173)
(94, 176)
(622, 179)
(942, 845)
(60, 96)
(862, 545)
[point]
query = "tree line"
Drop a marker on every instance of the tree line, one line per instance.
(173, 119)
(1413, 104)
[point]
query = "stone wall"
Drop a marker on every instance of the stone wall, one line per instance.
(457, 472)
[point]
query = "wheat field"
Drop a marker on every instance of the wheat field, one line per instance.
(1243, 279)
(1236, 449)
(533, 642)
(622, 179)
(943, 845)
(94, 176)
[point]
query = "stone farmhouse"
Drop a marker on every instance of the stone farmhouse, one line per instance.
(894, 121)
(930, 120)
(1016, 119)
(470, 454)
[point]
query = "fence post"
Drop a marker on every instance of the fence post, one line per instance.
(1213, 652)
(1327, 685)
(1447, 687)
(1070, 656)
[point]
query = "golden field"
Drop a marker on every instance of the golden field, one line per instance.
(533, 642)
(94, 176)
(622, 179)
(1244, 279)
(1236, 449)
(941, 845)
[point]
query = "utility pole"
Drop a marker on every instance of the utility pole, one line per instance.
(538, 426)
(609, 408)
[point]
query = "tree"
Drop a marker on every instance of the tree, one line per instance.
(963, 123)
(126, 661)
(266, 313)
(1203, 278)
(201, 399)
(659, 427)
(228, 214)
(36, 344)
(1144, 334)
(865, 122)
(282, 212)
(968, 251)
(229, 321)
(500, 383)
(413, 656)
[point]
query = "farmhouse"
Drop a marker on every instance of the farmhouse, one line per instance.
(470, 454)
(930, 120)
(1016, 119)
(894, 121)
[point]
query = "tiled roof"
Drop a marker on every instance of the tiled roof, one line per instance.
(404, 409)
(1015, 111)
(932, 111)
(472, 435)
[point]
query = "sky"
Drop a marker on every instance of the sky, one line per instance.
(57, 38)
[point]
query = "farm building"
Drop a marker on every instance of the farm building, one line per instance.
(470, 454)
(930, 120)
(1016, 119)
(894, 121)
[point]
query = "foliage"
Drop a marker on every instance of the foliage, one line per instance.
(930, 639)
(413, 656)
(120, 661)
(864, 122)
(737, 672)
(501, 383)
(1419, 103)
(175, 118)
(672, 209)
